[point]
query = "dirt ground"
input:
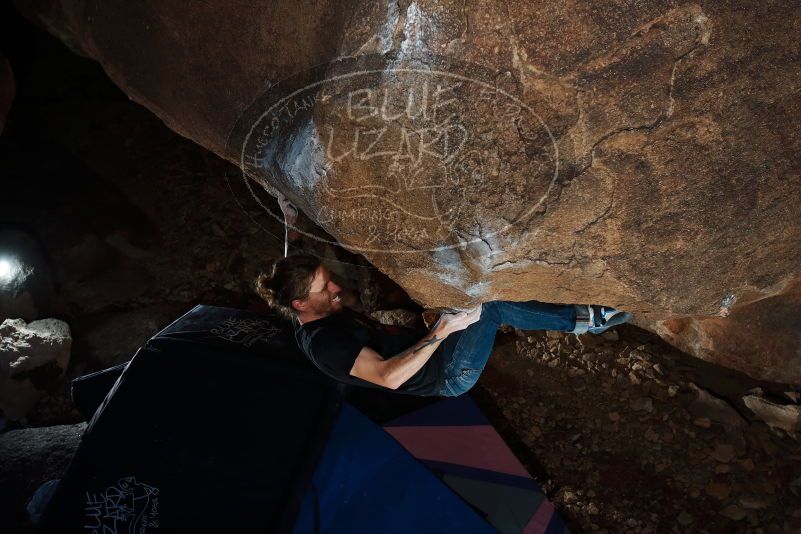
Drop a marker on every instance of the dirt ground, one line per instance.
(627, 434)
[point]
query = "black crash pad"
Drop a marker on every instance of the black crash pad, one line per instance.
(214, 426)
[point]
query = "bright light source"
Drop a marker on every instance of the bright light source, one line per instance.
(7, 270)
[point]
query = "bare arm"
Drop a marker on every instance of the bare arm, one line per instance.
(394, 371)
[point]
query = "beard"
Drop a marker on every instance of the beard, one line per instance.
(329, 306)
(336, 304)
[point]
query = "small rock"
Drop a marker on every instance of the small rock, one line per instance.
(569, 497)
(722, 469)
(684, 518)
(718, 490)
(747, 464)
(733, 512)
(592, 509)
(703, 422)
(642, 404)
(752, 502)
(613, 416)
(723, 453)
(672, 390)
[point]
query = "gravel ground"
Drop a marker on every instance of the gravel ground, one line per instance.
(628, 435)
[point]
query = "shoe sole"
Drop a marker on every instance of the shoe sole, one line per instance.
(617, 319)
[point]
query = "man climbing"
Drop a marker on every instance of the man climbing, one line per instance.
(445, 361)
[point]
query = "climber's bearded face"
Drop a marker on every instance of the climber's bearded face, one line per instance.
(324, 295)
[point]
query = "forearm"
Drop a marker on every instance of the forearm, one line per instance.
(401, 367)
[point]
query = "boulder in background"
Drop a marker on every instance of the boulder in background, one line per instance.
(33, 356)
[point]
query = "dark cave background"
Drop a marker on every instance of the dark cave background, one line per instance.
(128, 224)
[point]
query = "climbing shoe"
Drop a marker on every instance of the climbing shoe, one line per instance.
(596, 319)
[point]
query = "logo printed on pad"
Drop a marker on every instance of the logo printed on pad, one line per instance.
(245, 331)
(128, 506)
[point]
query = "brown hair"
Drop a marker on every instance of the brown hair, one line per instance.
(287, 279)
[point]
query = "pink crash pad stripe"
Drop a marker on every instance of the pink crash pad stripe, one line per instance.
(541, 519)
(474, 446)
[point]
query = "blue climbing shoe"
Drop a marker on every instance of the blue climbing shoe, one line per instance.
(597, 319)
(604, 318)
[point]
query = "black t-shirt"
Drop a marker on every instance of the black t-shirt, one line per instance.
(333, 343)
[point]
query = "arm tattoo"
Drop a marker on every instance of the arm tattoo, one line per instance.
(428, 342)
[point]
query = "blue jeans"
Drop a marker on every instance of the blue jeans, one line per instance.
(466, 355)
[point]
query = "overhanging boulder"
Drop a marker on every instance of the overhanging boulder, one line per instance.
(640, 156)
